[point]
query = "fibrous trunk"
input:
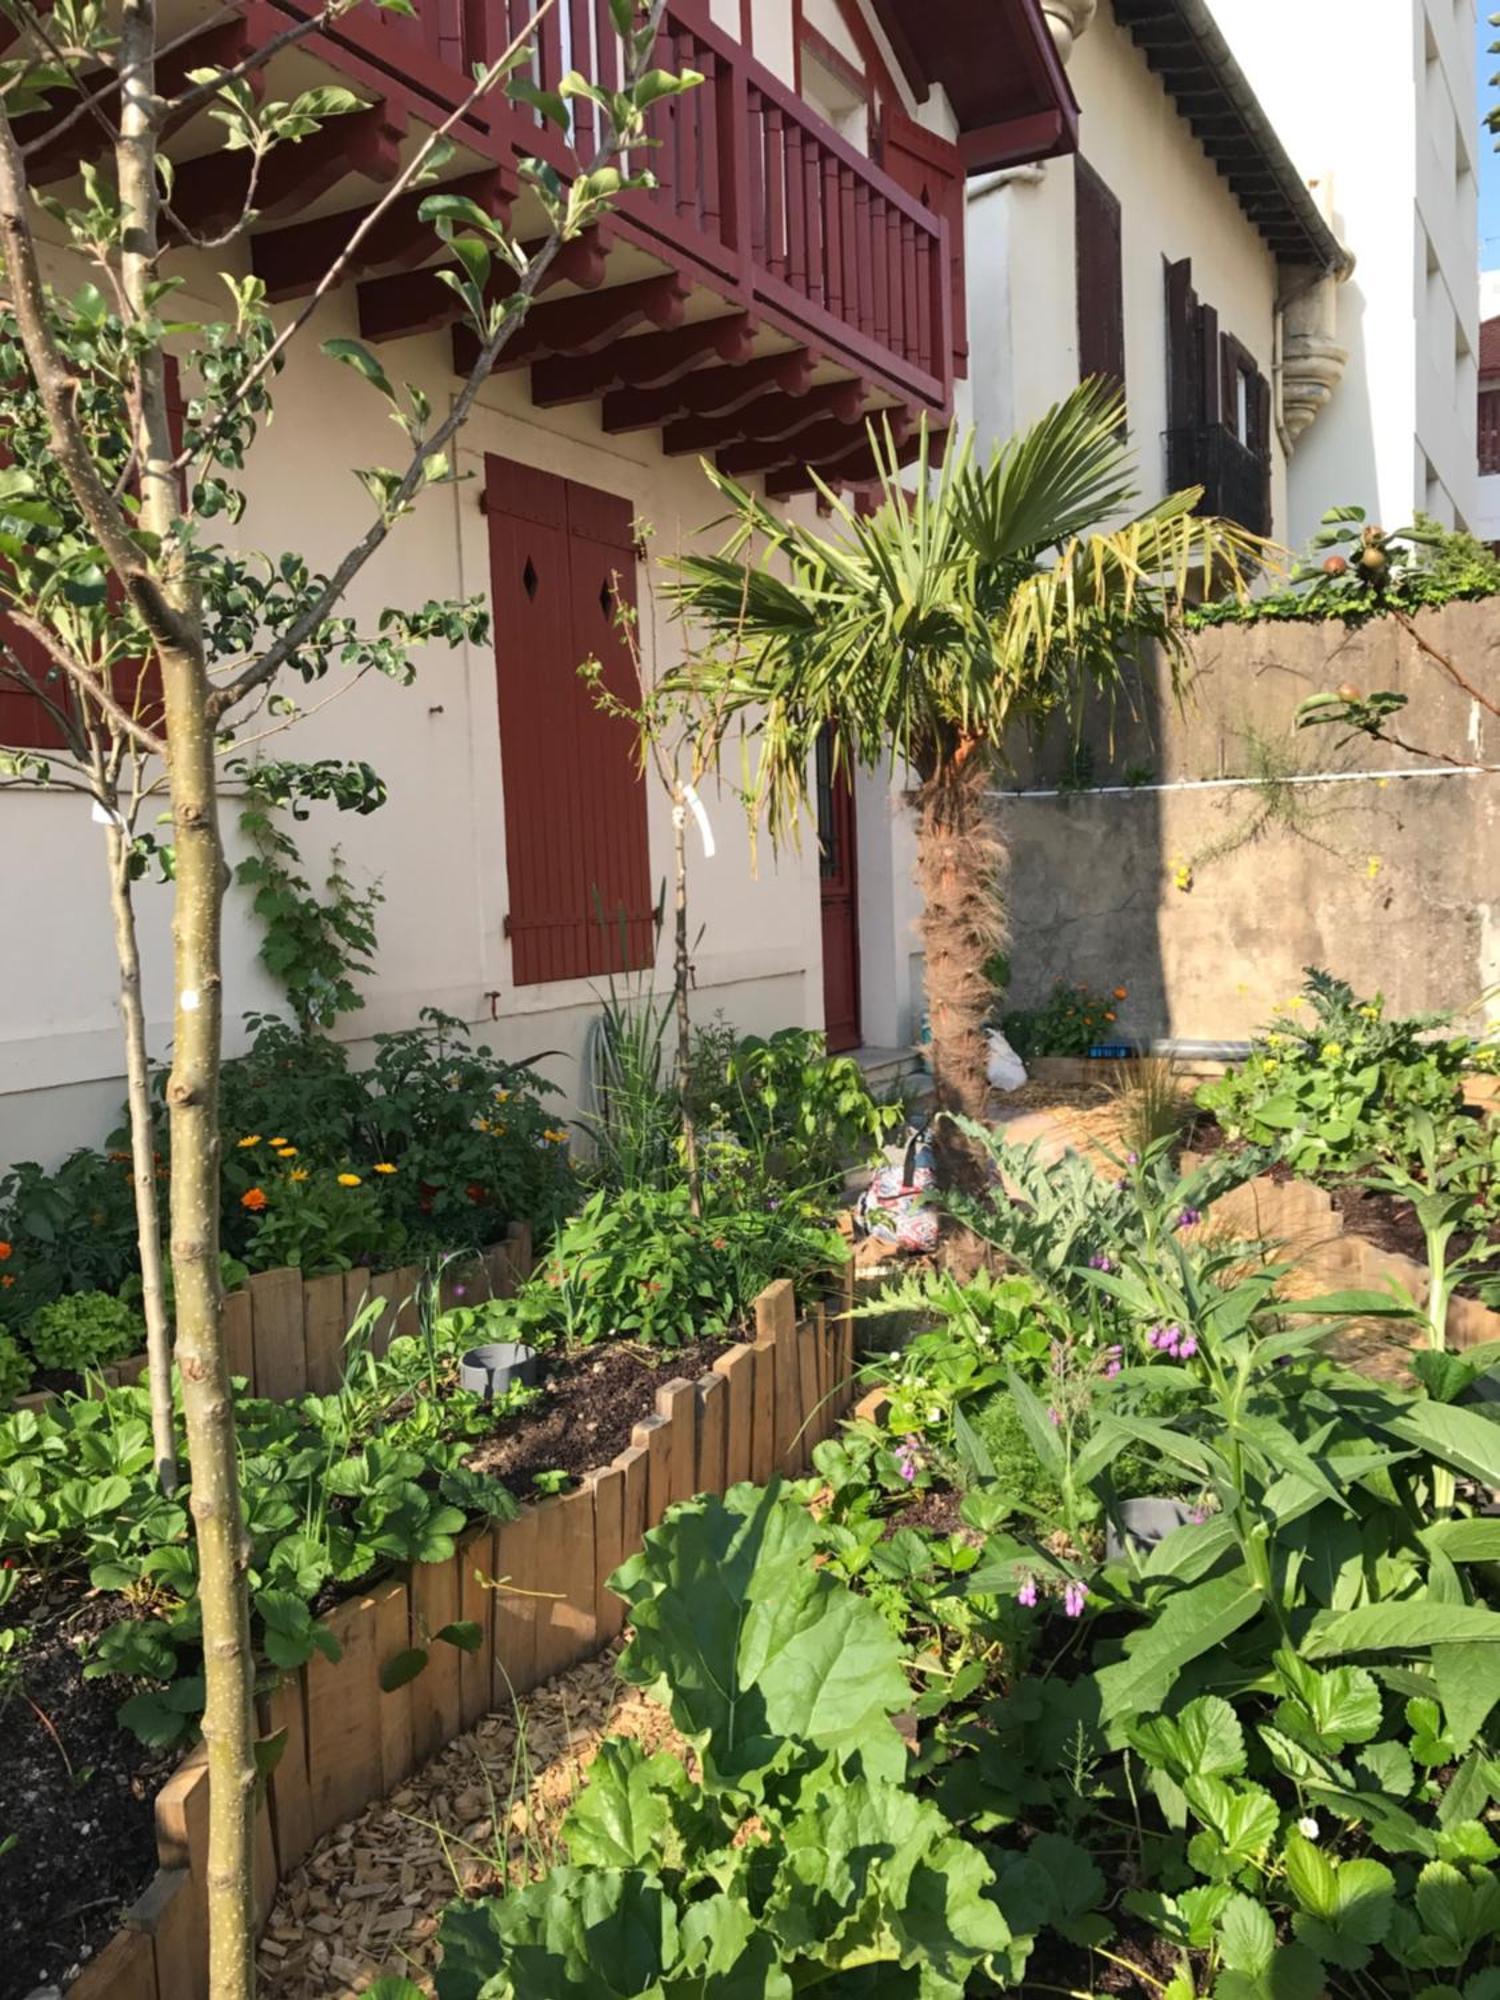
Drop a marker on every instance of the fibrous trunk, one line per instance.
(959, 854)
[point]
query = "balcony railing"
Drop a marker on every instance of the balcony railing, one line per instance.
(756, 196)
(1236, 481)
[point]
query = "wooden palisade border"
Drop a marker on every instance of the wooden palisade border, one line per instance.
(285, 1333)
(536, 1589)
(1331, 1257)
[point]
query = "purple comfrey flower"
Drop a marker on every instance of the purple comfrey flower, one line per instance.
(1099, 1262)
(1075, 1596)
(1190, 1218)
(1027, 1593)
(1170, 1340)
(1112, 1369)
(1054, 1416)
(1132, 1159)
(1198, 1515)
(907, 1459)
(1187, 1347)
(460, 1291)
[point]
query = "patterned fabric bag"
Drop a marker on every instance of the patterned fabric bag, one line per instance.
(893, 1208)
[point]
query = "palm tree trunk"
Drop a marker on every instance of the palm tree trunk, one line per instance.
(959, 854)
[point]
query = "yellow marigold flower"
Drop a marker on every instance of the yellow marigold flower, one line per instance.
(279, 1140)
(557, 1134)
(349, 1180)
(253, 1140)
(285, 1152)
(384, 1167)
(298, 1174)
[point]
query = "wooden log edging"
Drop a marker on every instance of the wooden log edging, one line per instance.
(535, 1587)
(285, 1333)
(1304, 1218)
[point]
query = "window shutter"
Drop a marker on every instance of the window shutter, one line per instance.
(577, 853)
(931, 169)
(1101, 276)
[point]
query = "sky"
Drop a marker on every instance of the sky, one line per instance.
(1489, 159)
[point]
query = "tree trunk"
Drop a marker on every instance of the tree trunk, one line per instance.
(959, 854)
(143, 1160)
(193, 1088)
(682, 972)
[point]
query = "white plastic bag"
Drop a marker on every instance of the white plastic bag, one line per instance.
(1005, 1069)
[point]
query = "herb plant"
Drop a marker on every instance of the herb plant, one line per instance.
(85, 1330)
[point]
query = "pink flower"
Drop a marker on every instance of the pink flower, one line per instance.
(1074, 1599)
(1187, 1347)
(907, 1459)
(1054, 1416)
(1027, 1593)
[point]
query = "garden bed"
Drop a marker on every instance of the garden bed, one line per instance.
(532, 1589)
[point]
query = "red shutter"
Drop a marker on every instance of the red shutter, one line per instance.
(932, 169)
(1101, 276)
(577, 856)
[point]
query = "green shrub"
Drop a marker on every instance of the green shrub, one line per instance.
(1354, 571)
(85, 1330)
(1332, 1080)
(69, 1230)
(799, 1115)
(15, 1370)
(1070, 1022)
(637, 1264)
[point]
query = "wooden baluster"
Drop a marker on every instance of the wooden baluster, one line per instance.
(894, 297)
(549, 53)
(833, 237)
(812, 177)
(606, 71)
(796, 209)
(758, 192)
(880, 277)
(924, 304)
(581, 55)
(779, 193)
(689, 189)
(849, 244)
(708, 111)
(449, 23)
(863, 254)
(909, 289)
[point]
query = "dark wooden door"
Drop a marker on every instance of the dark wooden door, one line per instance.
(840, 888)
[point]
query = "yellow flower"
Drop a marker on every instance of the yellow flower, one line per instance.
(1275, 1041)
(1370, 1012)
(298, 1174)
(277, 1141)
(557, 1134)
(384, 1167)
(1270, 1066)
(1372, 867)
(502, 1097)
(285, 1152)
(253, 1140)
(349, 1180)
(1333, 1050)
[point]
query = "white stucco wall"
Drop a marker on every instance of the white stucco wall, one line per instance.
(438, 845)
(1384, 118)
(1023, 315)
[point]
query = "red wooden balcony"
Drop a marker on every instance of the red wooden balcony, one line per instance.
(772, 292)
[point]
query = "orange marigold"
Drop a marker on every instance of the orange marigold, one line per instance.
(254, 1199)
(5, 1250)
(1120, 993)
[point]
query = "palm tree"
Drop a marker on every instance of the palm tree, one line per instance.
(977, 598)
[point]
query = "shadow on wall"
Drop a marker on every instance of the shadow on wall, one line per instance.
(1207, 899)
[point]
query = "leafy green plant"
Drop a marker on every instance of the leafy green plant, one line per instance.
(1353, 571)
(85, 1330)
(314, 1220)
(15, 1369)
(1333, 1081)
(1070, 1022)
(799, 1115)
(72, 1229)
(638, 1264)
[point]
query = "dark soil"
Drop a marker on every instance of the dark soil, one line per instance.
(935, 1510)
(1058, 1967)
(75, 1794)
(594, 1401)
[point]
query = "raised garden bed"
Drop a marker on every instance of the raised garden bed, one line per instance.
(535, 1589)
(285, 1333)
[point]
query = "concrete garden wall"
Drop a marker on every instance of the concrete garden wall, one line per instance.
(534, 1586)
(1392, 882)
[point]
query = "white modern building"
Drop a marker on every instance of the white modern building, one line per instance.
(1378, 105)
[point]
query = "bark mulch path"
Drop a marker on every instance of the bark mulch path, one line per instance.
(368, 1899)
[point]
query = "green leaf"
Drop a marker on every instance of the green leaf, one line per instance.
(1247, 1937)
(354, 354)
(757, 1644)
(1459, 1437)
(620, 1819)
(1468, 1684)
(463, 1633)
(1408, 1626)
(1204, 1740)
(1190, 1623)
(402, 1667)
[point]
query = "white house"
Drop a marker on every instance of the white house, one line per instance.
(798, 268)
(1378, 107)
